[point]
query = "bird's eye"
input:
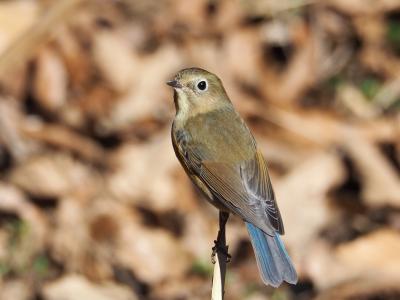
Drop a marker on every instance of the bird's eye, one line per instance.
(202, 85)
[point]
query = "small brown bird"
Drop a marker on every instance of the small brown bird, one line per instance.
(220, 155)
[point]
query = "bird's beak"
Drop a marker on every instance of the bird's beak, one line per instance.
(175, 84)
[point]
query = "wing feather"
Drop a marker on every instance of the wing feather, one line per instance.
(244, 188)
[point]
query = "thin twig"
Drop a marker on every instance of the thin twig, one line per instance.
(222, 257)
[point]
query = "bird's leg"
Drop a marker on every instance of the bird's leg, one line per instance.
(220, 243)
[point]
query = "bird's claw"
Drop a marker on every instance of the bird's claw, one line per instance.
(220, 249)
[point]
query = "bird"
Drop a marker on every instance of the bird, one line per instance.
(220, 155)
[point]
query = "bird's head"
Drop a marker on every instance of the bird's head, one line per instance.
(197, 91)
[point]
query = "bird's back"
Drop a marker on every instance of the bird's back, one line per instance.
(222, 136)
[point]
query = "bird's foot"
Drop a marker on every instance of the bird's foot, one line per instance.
(222, 249)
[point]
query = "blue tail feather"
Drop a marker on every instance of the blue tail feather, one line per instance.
(273, 261)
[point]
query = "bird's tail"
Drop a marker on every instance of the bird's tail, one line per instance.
(273, 261)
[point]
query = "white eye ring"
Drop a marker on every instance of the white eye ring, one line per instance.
(202, 85)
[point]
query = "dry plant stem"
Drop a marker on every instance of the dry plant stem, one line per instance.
(17, 53)
(222, 257)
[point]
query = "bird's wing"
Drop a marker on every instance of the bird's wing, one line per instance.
(247, 190)
(254, 174)
(244, 188)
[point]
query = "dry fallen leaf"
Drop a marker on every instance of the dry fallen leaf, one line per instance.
(301, 71)
(377, 254)
(64, 139)
(144, 99)
(77, 287)
(50, 175)
(33, 225)
(247, 43)
(374, 257)
(355, 102)
(134, 182)
(15, 18)
(380, 180)
(153, 254)
(112, 234)
(10, 135)
(358, 7)
(15, 290)
(116, 61)
(50, 80)
(387, 288)
(75, 56)
(303, 202)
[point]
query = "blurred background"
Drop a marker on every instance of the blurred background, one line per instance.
(93, 202)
